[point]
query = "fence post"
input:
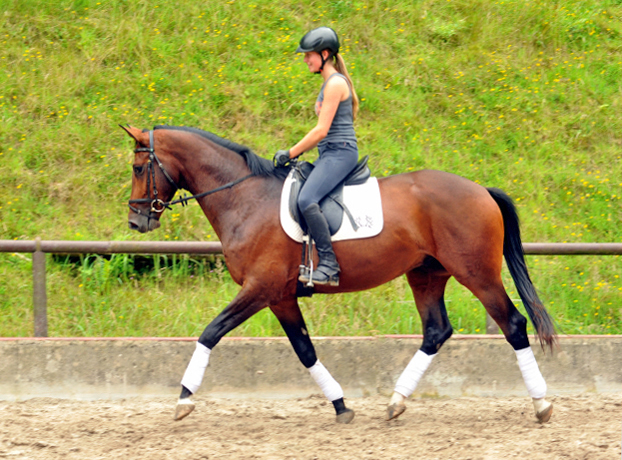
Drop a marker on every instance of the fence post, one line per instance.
(39, 292)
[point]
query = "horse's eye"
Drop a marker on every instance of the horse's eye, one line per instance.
(138, 170)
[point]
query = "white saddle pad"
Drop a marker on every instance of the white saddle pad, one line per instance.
(363, 202)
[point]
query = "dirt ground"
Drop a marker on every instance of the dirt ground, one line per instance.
(582, 427)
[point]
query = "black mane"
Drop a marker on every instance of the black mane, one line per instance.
(259, 166)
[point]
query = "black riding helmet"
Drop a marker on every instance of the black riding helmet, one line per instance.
(318, 40)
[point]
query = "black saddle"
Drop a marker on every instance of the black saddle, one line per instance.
(332, 205)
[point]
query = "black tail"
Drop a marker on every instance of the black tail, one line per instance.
(515, 259)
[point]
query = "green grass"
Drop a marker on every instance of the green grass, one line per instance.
(520, 95)
(175, 296)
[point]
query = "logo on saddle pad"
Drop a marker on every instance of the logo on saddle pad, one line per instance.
(353, 210)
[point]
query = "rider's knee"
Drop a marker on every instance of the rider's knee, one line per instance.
(305, 201)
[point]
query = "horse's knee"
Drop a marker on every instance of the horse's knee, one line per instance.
(434, 337)
(517, 331)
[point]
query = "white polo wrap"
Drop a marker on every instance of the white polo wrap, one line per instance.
(196, 368)
(409, 379)
(329, 386)
(536, 386)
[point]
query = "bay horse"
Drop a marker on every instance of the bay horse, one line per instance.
(436, 225)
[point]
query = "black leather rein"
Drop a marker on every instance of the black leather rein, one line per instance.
(157, 205)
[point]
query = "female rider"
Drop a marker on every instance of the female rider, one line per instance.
(334, 136)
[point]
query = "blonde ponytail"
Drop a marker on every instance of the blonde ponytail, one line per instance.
(340, 66)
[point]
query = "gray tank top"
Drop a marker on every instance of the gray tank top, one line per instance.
(342, 128)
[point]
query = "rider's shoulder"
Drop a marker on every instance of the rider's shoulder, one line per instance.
(336, 82)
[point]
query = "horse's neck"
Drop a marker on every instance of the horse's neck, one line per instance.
(238, 212)
(228, 209)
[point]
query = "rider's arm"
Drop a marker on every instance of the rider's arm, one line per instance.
(335, 91)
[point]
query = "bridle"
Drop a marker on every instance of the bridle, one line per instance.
(157, 205)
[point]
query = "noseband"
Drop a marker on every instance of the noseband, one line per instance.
(157, 205)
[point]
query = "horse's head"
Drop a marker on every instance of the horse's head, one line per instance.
(152, 183)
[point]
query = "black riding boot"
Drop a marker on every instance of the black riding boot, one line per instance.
(327, 271)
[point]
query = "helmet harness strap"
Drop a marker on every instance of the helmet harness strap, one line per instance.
(330, 55)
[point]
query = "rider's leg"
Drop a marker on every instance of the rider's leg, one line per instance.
(334, 164)
(327, 271)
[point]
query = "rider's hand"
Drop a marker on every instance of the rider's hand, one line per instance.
(281, 158)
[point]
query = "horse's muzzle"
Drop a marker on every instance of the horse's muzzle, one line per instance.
(142, 223)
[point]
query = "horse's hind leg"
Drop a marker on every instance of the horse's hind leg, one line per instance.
(428, 287)
(289, 315)
(514, 327)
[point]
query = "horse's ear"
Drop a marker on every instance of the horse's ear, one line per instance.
(134, 133)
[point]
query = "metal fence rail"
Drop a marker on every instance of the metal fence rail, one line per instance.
(39, 248)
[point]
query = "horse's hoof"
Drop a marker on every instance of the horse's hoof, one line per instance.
(545, 414)
(183, 409)
(395, 410)
(345, 417)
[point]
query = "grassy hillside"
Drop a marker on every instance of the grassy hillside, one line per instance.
(520, 95)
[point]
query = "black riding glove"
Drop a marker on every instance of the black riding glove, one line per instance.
(281, 158)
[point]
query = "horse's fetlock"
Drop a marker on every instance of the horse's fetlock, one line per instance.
(185, 393)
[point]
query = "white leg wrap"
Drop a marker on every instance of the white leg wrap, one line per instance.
(332, 390)
(409, 379)
(536, 386)
(196, 368)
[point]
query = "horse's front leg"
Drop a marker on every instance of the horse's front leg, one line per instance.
(289, 315)
(246, 304)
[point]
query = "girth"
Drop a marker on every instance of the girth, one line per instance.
(332, 205)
